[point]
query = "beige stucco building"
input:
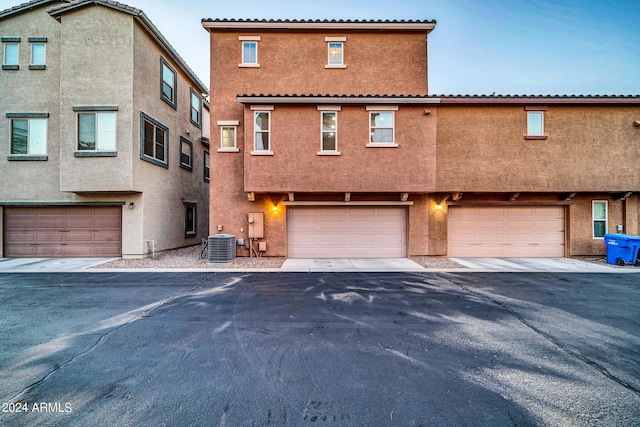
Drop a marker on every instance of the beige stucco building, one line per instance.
(326, 133)
(103, 134)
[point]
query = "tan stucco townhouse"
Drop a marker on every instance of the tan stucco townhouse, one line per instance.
(103, 134)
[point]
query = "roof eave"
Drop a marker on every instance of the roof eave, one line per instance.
(24, 8)
(379, 26)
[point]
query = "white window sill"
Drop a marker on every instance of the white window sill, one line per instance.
(249, 65)
(328, 153)
(335, 66)
(262, 153)
(228, 150)
(381, 145)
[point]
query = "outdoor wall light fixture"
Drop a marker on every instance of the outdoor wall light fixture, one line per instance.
(131, 205)
(636, 123)
(439, 207)
(274, 209)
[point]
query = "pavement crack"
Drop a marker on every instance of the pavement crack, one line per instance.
(104, 337)
(595, 365)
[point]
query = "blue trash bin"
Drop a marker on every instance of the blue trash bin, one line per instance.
(622, 249)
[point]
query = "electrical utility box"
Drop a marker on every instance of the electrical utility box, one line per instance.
(256, 225)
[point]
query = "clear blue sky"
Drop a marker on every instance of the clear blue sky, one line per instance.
(478, 47)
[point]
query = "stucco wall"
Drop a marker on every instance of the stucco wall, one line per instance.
(296, 166)
(96, 70)
(589, 148)
(580, 213)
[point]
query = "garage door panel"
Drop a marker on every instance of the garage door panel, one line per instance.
(324, 232)
(506, 231)
(63, 231)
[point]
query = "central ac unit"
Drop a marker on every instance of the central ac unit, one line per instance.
(222, 248)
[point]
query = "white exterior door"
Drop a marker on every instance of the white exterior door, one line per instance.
(506, 231)
(347, 232)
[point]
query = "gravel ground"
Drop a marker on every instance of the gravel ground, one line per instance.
(189, 257)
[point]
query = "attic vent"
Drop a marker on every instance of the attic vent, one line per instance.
(222, 248)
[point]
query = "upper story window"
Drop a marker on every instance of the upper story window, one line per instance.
(186, 154)
(600, 222)
(535, 122)
(196, 108)
(29, 134)
(249, 51)
(335, 52)
(168, 83)
(96, 130)
(38, 53)
(228, 131)
(11, 50)
(207, 170)
(381, 126)
(328, 130)
(262, 144)
(154, 141)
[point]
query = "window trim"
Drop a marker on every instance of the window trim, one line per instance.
(234, 148)
(340, 64)
(33, 65)
(207, 169)
(187, 232)
(146, 118)
(269, 150)
(197, 96)
(98, 109)
(187, 166)
(174, 101)
(28, 117)
(10, 41)
(537, 110)
(245, 40)
(382, 109)
(322, 151)
(594, 219)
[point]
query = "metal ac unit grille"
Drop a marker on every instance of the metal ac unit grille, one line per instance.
(222, 248)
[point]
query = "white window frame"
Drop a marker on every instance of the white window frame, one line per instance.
(44, 54)
(6, 45)
(225, 124)
(323, 111)
(97, 115)
(382, 109)
(260, 109)
(30, 121)
(339, 57)
(333, 41)
(245, 41)
(530, 123)
(594, 219)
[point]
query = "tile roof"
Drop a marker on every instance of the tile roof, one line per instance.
(77, 3)
(222, 24)
(324, 21)
(26, 6)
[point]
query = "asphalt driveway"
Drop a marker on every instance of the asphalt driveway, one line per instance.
(138, 349)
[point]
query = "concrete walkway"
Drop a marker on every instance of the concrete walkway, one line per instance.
(45, 265)
(369, 265)
(549, 265)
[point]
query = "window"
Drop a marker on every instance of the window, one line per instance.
(190, 219)
(168, 83)
(535, 122)
(600, 223)
(206, 166)
(329, 131)
(11, 56)
(96, 131)
(262, 131)
(196, 108)
(29, 136)
(249, 51)
(186, 154)
(154, 141)
(381, 130)
(336, 54)
(228, 137)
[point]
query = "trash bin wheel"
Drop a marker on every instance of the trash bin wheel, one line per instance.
(620, 262)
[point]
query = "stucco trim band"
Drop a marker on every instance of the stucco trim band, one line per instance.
(27, 115)
(96, 108)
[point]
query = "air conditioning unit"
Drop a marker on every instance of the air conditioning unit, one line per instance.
(222, 248)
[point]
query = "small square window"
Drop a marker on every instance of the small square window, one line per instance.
(250, 52)
(600, 218)
(186, 154)
(207, 170)
(227, 137)
(97, 131)
(336, 54)
(168, 83)
(29, 136)
(154, 141)
(11, 53)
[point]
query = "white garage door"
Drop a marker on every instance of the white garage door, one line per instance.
(347, 232)
(532, 231)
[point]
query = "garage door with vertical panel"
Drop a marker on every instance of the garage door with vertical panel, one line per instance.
(62, 231)
(506, 231)
(347, 232)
